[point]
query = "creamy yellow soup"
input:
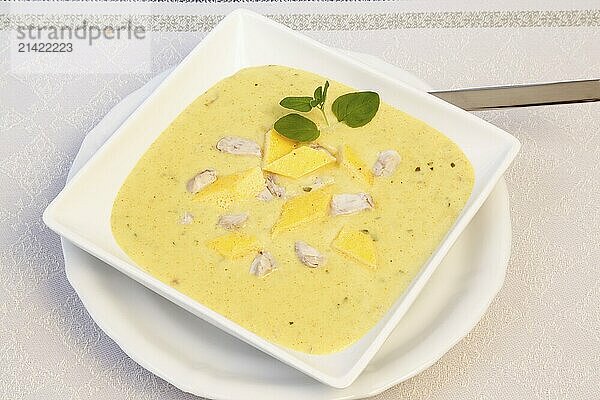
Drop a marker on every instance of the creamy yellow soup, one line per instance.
(171, 233)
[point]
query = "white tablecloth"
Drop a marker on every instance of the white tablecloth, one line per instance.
(541, 336)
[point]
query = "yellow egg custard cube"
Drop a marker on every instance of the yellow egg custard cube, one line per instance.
(243, 185)
(233, 245)
(355, 166)
(357, 245)
(300, 162)
(276, 146)
(304, 208)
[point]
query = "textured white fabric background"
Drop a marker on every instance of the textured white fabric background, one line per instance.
(541, 336)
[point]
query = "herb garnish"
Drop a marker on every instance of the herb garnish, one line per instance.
(305, 103)
(297, 103)
(297, 127)
(319, 98)
(354, 109)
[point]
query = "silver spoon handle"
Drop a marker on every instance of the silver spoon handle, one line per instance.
(494, 97)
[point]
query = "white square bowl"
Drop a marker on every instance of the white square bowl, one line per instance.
(81, 212)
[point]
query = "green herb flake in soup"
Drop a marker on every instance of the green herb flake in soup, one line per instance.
(307, 235)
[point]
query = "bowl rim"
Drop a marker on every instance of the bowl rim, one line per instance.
(339, 381)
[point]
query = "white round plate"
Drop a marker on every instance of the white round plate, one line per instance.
(201, 359)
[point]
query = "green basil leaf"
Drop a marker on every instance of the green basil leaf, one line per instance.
(314, 102)
(325, 91)
(318, 94)
(297, 127)
(302, 104)
(356, 109)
